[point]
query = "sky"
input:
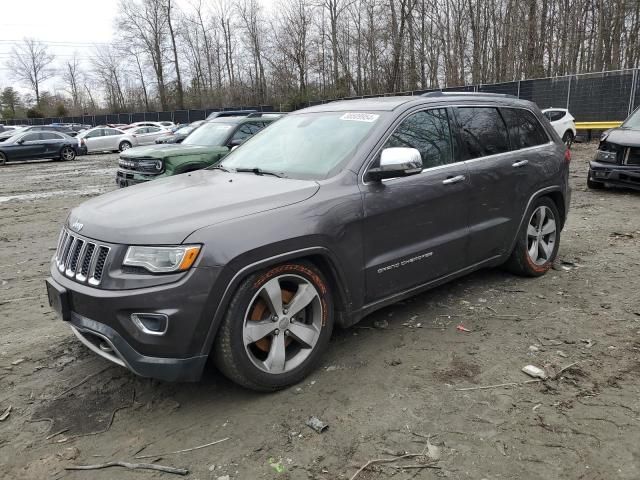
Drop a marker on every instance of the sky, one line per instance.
(66, 26)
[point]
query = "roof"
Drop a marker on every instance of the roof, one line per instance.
(389, 104)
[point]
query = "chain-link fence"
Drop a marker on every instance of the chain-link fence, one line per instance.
(590, 97)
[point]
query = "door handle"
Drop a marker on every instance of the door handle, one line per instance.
(452, 180)
(521, 163)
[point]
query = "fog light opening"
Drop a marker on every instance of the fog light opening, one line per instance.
(151, 323)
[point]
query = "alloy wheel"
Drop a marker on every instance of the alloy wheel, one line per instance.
(282, 324)
(541, 235)
(68, 153)
(124, 146)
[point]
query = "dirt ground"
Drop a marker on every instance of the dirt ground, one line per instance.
(390, 385)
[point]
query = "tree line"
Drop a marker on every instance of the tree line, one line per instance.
(215, 53)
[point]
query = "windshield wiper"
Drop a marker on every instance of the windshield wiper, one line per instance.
(220, 167)
(258, 171)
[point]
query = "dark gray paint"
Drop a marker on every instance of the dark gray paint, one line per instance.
(350, 227)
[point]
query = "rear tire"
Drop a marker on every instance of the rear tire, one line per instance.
(568, 138)
(3, 159)
(592, 184)
(67, 154)
(276, 328)
(538, 240)
(124, 146)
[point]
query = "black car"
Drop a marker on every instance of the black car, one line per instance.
(37, 128)
(325, 216)
(32, 145)
(617, 160)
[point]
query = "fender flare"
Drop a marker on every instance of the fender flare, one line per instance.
(242, 273)
(540, 193)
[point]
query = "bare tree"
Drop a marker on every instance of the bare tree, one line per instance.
(71, 76)
(31, 63)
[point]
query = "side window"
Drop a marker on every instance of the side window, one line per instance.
(555, 115)
(111, 131)
(428, 132)
(152, 129)
(482, 131)
(95, 133)
(31, 137)
(50, 136)
(524, 128)
(245, 131)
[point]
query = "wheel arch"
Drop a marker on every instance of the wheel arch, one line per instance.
(556, 195)
(320, 257)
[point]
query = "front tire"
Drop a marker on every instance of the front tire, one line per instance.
(538, 240)
(277, 326)
(124, 146)
(3, 159)
(67, 154)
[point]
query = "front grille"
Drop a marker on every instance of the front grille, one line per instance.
(81, 259)
(633, 156)
(141, 164)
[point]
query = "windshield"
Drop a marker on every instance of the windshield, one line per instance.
(209, 135)
(633, 121)
(306, 146)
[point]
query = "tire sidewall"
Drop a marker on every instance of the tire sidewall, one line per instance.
(3, 159)
(234, 324)
(120, 149)
(531, 267)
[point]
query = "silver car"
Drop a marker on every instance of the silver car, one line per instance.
(103, 139)
(146, 135)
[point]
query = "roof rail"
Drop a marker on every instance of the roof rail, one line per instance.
(266, 114)
(440, 93)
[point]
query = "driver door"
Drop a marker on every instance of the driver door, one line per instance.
(416, 227)
(31, 147)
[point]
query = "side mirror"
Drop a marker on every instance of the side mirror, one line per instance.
(235, 143)
(397, 162)
(20, 142)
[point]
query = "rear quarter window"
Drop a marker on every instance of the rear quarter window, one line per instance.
(524, 128)
(482, 131)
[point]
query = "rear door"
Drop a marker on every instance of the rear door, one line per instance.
(501, 148)
(52, 143)
(415, 228)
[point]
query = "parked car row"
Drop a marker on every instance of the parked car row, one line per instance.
(326, 215)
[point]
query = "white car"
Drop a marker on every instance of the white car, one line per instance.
(146, 135)
(103, 139)
(563, 123)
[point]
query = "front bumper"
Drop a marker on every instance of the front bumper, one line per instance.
(101, 319)
(106, 342)
(126, 178)
(615, 174)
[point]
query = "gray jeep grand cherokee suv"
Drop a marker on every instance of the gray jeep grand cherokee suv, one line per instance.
(333, 212)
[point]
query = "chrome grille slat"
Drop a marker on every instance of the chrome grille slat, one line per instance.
(81, 259)
(65, 251)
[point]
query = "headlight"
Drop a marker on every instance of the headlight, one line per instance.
(149, 165)
(162, 259)
(605, 156)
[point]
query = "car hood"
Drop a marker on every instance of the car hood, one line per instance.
(166, 211)
(624, 137)
(161, 151)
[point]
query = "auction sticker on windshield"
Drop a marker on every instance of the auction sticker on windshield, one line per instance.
(360, 117)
